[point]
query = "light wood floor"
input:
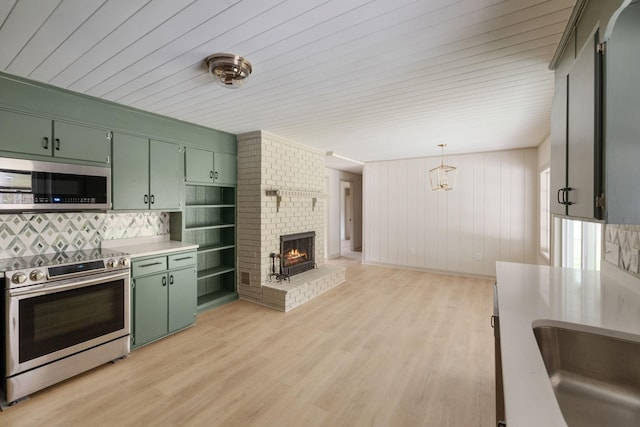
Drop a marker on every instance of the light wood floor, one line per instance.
(387, 348)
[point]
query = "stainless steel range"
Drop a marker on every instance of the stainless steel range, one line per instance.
(63, 314)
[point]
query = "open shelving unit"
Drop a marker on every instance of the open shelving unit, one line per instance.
(208, 219)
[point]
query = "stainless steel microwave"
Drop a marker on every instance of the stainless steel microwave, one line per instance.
(27, 185)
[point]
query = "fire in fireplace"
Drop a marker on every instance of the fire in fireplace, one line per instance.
(297, 252)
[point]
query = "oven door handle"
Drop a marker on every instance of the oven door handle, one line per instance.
(65, 285)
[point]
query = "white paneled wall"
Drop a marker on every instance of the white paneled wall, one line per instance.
(490, 215)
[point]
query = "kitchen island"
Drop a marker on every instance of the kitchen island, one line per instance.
(605, 302)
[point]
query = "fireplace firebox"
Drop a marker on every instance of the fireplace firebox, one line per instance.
(297, 252)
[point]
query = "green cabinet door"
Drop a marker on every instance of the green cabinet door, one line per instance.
(165, 175)
(130, 172)
(150, 308)
(224, 168)
(182, 298)
(71, 141)
(25, 134)
(199, 165)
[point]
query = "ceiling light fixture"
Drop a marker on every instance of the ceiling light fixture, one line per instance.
(443, 177)
(228, 70)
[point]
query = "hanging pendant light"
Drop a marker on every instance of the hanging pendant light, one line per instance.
(443, 177)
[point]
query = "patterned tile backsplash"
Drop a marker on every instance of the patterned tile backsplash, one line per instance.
(33, 234)
(627, 237)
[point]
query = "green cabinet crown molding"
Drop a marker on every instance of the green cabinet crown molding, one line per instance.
(36, 98)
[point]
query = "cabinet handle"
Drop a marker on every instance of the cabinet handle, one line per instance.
(164, 280)
(146, 199)
(183, 258)
(566, 196)
(150, 264)
(153, 199)
(558, 196)
(58, 144)
(215, 175)
(211, 174)
(45, 143)
(171, 279)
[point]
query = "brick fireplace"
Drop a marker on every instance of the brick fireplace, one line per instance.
(297, 252)
(280, 193)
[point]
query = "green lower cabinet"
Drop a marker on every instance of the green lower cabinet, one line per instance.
(150, 308)
(183, 298)
(163, 301)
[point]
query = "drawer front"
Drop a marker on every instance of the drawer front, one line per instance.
(148, 266)
(182, 260)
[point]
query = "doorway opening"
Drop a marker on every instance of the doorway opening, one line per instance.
(349, 246)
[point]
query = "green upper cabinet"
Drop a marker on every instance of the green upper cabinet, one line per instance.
(199, 164)
(71, 141)
(25, 134)
(166, 175)
(130, 172)
(146, 174)
(576, 146)
(622, 130)
(34, 135)
(203, 166)
(224, 168)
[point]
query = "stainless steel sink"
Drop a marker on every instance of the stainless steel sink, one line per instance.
(596, 378)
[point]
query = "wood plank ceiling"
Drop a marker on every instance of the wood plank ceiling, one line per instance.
(370, 80)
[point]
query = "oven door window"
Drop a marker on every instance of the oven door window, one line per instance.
(55, 321)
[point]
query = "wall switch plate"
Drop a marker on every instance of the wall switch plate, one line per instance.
(612, 253)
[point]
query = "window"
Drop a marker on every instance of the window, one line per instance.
(545, 216)
(581, 244)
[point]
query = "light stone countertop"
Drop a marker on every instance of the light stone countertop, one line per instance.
(148, 246)
(606, 302)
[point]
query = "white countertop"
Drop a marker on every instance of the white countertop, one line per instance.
(148, 246)
(531, 295)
